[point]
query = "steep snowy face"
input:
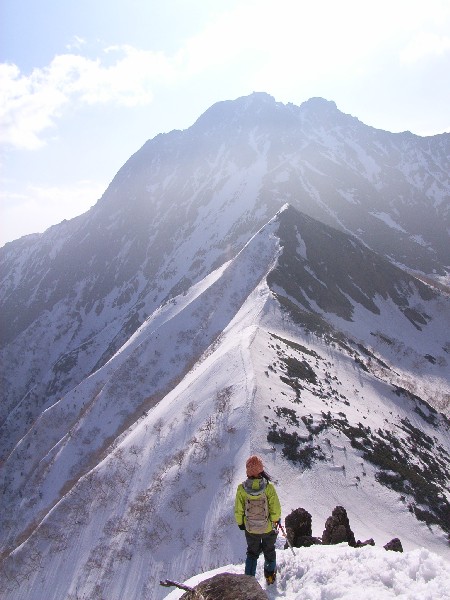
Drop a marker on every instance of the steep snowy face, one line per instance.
(324, 268)
(73, 434)
(329, 281)
(393, 328)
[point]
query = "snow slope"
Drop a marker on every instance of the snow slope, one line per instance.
(130, 478)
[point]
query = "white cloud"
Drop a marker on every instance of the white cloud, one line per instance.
(290, 43)
(425, 45)
(77, 43)
(30, 104)
(127, 82)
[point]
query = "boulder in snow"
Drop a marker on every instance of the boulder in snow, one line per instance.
(227, 586)
(369, 542)
(337, 528)
(299, 528)
(395, 545)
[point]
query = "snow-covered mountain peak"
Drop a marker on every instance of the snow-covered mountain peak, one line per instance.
(240, 115)
(319, 110)
(242, 286)
(261, 107)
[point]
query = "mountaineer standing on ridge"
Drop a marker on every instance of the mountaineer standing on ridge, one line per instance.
(257, 510)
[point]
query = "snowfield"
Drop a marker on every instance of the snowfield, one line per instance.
(344, 573)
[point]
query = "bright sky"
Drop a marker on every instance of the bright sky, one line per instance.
(84, 83)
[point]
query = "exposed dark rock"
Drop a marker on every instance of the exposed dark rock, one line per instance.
(299, 529)
(304, 541)
(227, 586)
(395, 545)
(369, 542)
(337, 528)
(299, 521)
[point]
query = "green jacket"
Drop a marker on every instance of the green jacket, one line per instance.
(254, 487)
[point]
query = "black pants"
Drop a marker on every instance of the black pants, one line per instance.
(265, 543)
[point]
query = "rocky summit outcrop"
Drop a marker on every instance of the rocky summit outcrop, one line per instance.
(337, 528)
(227, 586)
(299, 529)
(337, 531)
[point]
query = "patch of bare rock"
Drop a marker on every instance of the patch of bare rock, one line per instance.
(337, 531)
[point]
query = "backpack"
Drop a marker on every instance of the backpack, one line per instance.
(256, 513)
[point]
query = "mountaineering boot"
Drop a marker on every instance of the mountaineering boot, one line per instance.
(250, 566)
(270, 577)
(270, 571)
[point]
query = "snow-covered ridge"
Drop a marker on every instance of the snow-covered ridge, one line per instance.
(130, 477)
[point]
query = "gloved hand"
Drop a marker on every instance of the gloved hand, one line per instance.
(242, 526)
(276, 524)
